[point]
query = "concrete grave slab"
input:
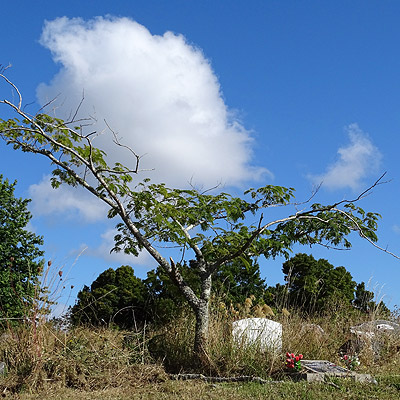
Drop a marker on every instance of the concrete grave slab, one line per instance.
(319, 370)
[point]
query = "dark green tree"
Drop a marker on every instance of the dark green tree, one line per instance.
(364, 301)
(232, 284)
(313, 284)
(277, 296)
(364, 298)
(165, 299)
(239, 279)
(20, 263)
(116, 297)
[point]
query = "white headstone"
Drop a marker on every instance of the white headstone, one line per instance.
(259, 332)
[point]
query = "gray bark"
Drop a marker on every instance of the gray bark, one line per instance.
(202, 325)
(202, 312)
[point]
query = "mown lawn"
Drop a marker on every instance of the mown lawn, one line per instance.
(388, 387)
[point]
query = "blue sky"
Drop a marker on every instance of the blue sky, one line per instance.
(244, 93)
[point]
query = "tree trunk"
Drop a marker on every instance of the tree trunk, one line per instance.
(199, 304)
(202, 312)
(201, 332)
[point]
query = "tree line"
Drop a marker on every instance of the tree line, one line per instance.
(119, 298)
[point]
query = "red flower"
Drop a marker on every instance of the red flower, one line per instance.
(297, 358)
(301, 356)
(292, 355)
(287, 355)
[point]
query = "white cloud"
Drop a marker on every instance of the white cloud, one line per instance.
(107, 243)
(355, 162)
(396, 228)
(159, 92)
(65, 200)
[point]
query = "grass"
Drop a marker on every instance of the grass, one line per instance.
(387, 388)
(171, 345)
(47, 362)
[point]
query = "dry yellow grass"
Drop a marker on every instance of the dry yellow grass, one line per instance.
(387, 388)
(48, 363)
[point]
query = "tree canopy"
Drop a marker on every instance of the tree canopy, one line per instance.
(116, 296)
(316, 285)
(238, 280)
(364, 300)
(20, 263)
(120, 298)
(312, 283)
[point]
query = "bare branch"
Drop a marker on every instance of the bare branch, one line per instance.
(313, 194)
(15, 88)
(3, 69)
(118, 143)
(327, 246)
(201, 191)
(28, 104)
(48, 103)
(361, 233)
(192, 245)
(79, 106)
(365, 192)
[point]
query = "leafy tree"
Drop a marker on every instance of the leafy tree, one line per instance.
(364, 301)
(210, 229)
(277, 296)
(364, 298)
(232, 284)
(20, 265)
(238, 280)
(312, 283)
(116, 296)
(165, 300)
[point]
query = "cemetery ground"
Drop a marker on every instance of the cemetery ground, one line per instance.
(46, 362)
(387, 388)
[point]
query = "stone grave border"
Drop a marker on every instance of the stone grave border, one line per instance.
(318, 370)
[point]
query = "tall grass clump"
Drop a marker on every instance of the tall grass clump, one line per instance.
(322, 336)
(84, 358)
(317, 336)
(172, 344)
(38, 352)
